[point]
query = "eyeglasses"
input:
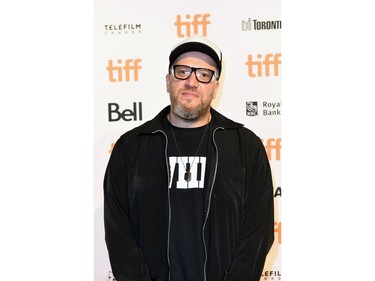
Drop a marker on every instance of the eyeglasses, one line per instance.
(183, 72)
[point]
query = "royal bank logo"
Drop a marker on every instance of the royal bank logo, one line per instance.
(255, 24)
(122, 29)
(265, 108)
(251, 108)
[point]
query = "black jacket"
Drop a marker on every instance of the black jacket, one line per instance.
(239, 227)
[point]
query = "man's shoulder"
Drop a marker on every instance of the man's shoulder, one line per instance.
(235, 128)
(148, 127)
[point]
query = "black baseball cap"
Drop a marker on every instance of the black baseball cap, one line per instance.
(197, 43)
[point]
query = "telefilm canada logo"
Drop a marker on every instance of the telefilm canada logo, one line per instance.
(268, 275)
(122, 29)
(271, 275)
(264, 108)
(254, 24)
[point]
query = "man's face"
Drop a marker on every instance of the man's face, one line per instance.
(191, 99)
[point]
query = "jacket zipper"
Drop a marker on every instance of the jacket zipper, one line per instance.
(169, 200)
(209, 205)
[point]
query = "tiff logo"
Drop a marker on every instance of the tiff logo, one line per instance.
(273, 145)
(277, 230)
(262, 66)
(120, 71)
(198, 23)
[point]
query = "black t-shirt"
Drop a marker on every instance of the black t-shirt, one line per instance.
(186, 250)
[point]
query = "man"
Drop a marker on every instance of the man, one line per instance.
(188, 195)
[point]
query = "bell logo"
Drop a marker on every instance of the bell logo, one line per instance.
(188, 27)
(121, 71)
(115, 114)
(260, 66)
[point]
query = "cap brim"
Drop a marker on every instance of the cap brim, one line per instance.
(197, 44)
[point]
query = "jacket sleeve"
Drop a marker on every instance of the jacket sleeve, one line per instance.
(257, 233)
(124, 255)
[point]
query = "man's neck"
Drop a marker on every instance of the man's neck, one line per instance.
(183, 123)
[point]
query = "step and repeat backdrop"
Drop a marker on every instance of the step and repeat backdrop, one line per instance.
(132, 42)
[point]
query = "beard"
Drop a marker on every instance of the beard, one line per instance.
(187, 113)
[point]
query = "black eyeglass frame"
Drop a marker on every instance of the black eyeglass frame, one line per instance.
(193, 69)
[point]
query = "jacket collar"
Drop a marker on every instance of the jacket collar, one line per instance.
(156, 123)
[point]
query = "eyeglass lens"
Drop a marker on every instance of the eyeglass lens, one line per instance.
(183, 72)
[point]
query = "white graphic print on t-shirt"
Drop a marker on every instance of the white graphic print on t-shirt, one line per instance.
(197, 170)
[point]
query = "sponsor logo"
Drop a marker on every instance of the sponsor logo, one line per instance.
(122, 29)
(271, 275)
(273, 148)
(123, 70)
(251, 108)
(277, 192)
(255, 24)
(265, 108)
(189, 25)
(133, 114)
(271, 108)
(277, 231)
(263, 65)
